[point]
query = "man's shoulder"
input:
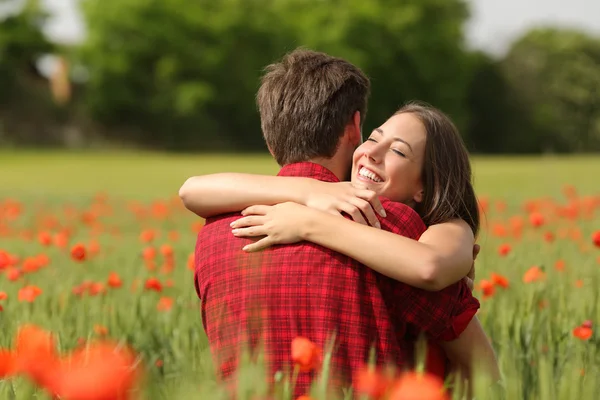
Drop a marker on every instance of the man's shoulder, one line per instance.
(398, 208)
(401, 218)
(218, 222)
(216, 219)
(215, 238)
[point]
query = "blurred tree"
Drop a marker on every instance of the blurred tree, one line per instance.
(498, 122)
(556, 75)
(412, 50)
(25, 101)
(184, 74)
(21, 43)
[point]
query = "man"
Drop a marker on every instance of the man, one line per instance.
(312, 107)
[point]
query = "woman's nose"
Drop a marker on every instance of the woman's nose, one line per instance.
(374, 154)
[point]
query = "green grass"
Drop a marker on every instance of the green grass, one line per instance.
(150, 175)
(539, 356)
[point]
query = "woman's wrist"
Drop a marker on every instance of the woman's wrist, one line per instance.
(310, 224)
(306, 190)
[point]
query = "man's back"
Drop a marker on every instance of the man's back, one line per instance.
(289, 291)
(285, 292)
(307, 290)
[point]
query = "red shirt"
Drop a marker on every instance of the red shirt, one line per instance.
(307, 290)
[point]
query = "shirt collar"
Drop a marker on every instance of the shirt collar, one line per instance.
(308, 170)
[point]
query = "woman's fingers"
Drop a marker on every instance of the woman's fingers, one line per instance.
(258, 245)
(256, 210)
(353, 212)
(251, 220)
(366, 209)
(251, 231)
(470, 283)
(476, 250)
(373, 200)
(471, 274)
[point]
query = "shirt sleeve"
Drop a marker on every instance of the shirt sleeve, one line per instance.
(460, 323)
(197, 261)
(198, 253)
(442, 315)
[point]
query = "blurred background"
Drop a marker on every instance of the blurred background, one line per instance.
(517, 76)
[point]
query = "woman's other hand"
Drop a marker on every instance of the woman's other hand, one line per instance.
(279, 224)
(470, 278)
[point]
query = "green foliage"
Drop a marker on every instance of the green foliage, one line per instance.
(181, 75)
(498, 123)
(187, 73)
(21, 43)
(27, 113)
(21, 39)
(555, 73)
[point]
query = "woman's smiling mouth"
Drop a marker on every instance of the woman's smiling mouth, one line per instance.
(365, 173)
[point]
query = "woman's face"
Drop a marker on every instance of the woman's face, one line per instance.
(390, 161)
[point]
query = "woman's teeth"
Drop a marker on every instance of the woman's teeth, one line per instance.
(369, 174)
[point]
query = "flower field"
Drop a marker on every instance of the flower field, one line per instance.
(97, 294)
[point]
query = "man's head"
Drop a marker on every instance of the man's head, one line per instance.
(312, 106)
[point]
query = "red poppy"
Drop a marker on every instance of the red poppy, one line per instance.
(153, 284)
(78, 252)
(504, 249)
(499, 280)
(306, 354)
(583, 332)
(29, 293)
(487, 288)
(596, 238)
(414, 386)
(114, 280)
(371, 383)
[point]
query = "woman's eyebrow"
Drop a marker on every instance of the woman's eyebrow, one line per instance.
(396, 139)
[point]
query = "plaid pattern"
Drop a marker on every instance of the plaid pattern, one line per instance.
(269, 298)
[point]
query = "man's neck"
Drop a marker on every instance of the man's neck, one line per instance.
(339, 170)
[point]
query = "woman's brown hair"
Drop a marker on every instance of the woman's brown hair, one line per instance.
(447, 179)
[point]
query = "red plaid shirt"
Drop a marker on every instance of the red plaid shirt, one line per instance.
(273, 296)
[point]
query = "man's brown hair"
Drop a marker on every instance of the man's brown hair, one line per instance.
(305, 102)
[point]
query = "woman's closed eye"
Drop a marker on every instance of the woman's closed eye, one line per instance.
(401, 154)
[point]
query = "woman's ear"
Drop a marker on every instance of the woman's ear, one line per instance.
(418, 197)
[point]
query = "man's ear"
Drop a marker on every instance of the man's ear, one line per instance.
(356, 132)
(270, 151)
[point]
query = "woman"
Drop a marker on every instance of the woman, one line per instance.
(416, 157)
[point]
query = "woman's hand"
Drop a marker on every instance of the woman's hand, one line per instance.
(279, 224)
(470, 278)
(358, 202)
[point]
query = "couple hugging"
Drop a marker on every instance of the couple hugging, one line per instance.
(290, 265)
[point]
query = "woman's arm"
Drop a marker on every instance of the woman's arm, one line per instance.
(442, 256)
(210, 195)
(473, 353)
(214, 194)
